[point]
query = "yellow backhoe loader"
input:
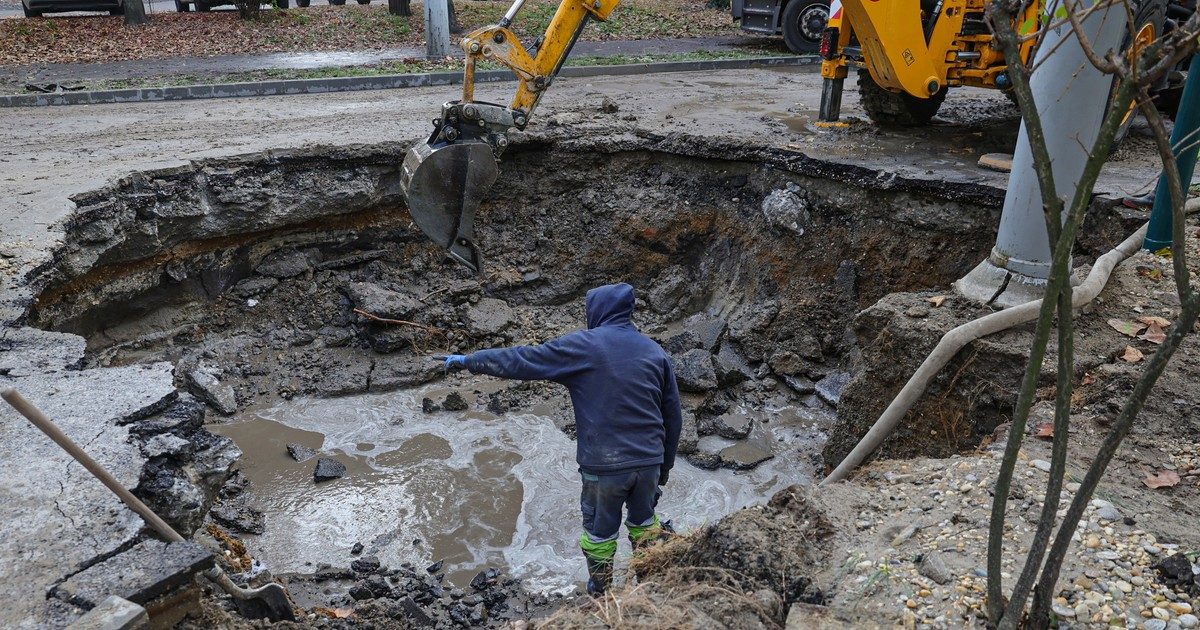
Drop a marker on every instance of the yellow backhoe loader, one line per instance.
(910, 52)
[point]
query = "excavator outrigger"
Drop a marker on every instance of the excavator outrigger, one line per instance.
(446, 177)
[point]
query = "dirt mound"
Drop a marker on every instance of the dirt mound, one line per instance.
(743, 571)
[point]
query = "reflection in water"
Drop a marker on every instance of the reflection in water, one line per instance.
(470, 488)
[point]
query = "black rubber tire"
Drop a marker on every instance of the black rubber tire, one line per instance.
(303, 4)
(182, 7)
(364, 2)
(802, 23)
(1148, 12)
(337, 3)
(203, 7)
(891, 109)
(282, 4)
(116, 11)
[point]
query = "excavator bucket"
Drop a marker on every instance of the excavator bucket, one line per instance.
(444, 184)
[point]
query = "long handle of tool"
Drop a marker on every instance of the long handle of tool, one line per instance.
(47, 426)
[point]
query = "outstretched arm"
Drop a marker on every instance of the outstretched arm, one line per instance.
(672, 422)
(556, 360)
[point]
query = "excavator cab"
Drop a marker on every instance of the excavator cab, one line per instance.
(447, 177)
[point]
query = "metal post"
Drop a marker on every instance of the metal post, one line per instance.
(1070, 95)
(1186, 141)
(437, 29)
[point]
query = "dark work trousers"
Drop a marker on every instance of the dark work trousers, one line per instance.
(603, 497)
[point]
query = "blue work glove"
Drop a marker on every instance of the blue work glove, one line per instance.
(455, 362)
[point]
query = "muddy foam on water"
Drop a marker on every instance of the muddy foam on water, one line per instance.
(471, 488)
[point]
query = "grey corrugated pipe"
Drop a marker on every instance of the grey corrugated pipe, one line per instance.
(959, 337)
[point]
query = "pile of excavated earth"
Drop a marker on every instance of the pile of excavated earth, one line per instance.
(179, 298)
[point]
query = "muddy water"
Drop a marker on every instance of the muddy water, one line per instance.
(470, 488)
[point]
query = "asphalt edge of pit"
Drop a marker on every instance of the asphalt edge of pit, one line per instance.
(381, 82)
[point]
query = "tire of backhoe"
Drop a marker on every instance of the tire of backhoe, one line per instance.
(890, 109)
(797, 25)
(1148, 11)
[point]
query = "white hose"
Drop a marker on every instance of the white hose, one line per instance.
(959, 337)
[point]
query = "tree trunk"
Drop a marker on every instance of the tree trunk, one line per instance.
(399, 7)
(455, 27)
(135, 13)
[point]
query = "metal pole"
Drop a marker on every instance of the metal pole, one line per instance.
(437, 29)
(1070, 95)
(1186, 141)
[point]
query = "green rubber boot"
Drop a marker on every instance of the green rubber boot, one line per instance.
(599, 556)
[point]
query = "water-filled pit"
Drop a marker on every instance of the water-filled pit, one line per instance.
(245, 273)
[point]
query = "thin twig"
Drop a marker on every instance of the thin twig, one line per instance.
(402, 322)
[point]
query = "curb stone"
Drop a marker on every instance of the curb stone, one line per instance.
(382, 82)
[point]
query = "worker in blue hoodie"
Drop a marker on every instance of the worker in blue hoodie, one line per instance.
(627, 419)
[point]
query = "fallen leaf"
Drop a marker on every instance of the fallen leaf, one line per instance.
(1154, 334)
(333, 613)
(1088, 379)
(1154, 320)
(1045, 431)
(1164, 479)
(1129, 329)
(1132, 355)
(936, 300)
(1152, 273)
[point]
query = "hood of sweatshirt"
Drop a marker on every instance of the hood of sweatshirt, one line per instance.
(610, 305)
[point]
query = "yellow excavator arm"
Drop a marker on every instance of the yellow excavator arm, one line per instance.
(446, 177)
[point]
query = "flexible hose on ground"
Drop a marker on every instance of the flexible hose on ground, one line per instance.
(959, 337)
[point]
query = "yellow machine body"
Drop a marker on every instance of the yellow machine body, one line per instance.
(888, 38)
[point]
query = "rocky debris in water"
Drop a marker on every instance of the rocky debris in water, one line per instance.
(182, 418)
(694, 371)
(428, 406)
(382, 302)
(238, 515)
(365, 564)
(689, 436)
(730, 367)
(734, 426)
(744, 456)
(327, 469)
(934, 567)
(207, 387)
(284, 264)
(149, 569)
(300, 452)
(489, 317)
(800, 384)
(830, 388)
(254, 286)
(454, 401)
(436, 567)
(786, 209)
(484, 579)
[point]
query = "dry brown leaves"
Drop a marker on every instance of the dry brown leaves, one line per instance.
(58, 39)
(1163, 479)
(1132, 355)
(936, 300)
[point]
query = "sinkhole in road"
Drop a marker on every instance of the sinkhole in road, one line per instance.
(251, 275)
